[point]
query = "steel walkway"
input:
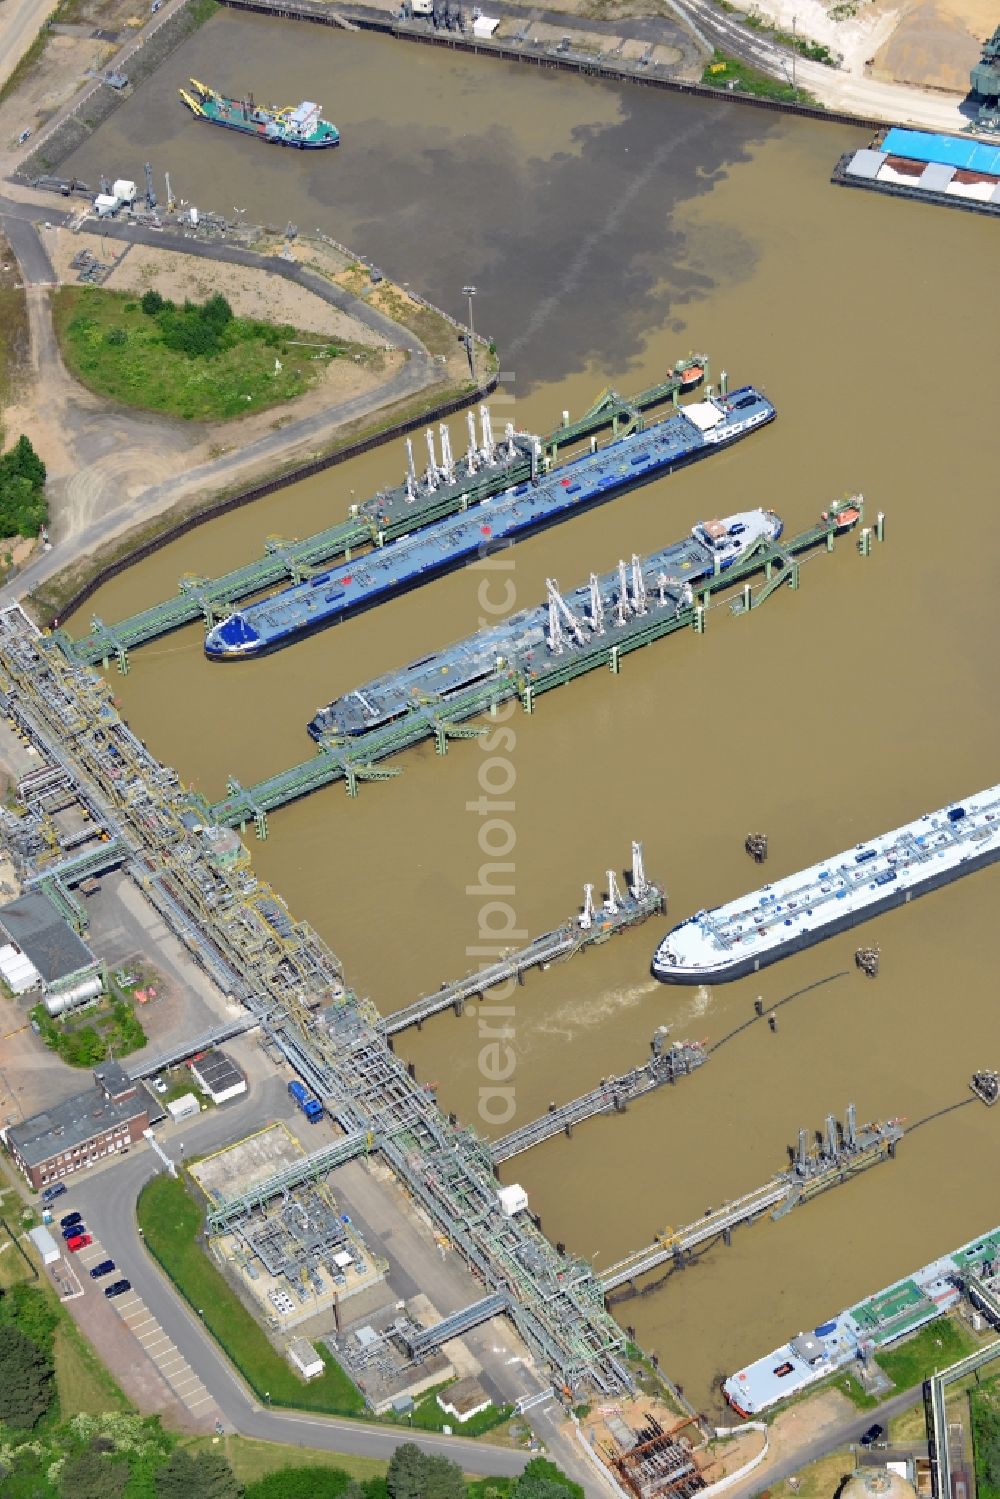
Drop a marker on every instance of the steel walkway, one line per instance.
(429, 1338)
(612, 1096)
(219, 1033)
(675, 1245)
(628, 910)
(935, 1411)
(309, 1168)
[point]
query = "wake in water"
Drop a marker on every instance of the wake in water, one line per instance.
(575, 1015)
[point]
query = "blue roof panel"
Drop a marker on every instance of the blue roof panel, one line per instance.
(950, 150)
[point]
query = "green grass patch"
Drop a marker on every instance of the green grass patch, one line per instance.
(171, 1222)
(251, 1459)
(984, 1407)
(725, 72)
(83, 1040)
(15, 343)
(82, 1381)
(137, 359)
(934, 1347)
(29, 60)
(15, 1266)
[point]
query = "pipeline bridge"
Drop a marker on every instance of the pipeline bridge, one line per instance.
(666, 1064)
(839, 1153)
(198, 875)
(372, 524)
(617, 912)
(361, 759)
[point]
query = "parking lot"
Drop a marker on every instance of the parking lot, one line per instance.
(125, 1319)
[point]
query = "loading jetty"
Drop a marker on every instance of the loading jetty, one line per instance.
(396, 511)
(362, 757)
(840, 1152)
(592, 927)
(666, 1063)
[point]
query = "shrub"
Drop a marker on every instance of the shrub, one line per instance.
(152, 303)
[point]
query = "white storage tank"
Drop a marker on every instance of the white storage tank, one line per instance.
(69, 999)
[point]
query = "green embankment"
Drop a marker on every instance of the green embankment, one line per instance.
(151, 360)
(725, 72)
(171, 1221)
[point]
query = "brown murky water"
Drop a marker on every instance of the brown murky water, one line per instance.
(835, 713)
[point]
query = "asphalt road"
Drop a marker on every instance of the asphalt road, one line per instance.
(20, 23)
(112, 1214)
(849, 1430)
(36, 267)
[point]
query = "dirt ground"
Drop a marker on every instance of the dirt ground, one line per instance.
(251, 293)
(100, 456)
(935, 45)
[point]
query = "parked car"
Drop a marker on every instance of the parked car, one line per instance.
(873, 1435)
(159, 1085)
(104, 1268)
(70, 1218)
(51, 1193)
(23, 137)
(80, 1242)
(118, 1288)
(73, 1230)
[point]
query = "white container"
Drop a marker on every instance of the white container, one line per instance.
(512, 1199)
(124, 191)
(105, 204)
(183, 1108)
(45, 1244)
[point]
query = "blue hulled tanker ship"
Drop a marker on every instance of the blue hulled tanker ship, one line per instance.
(700, 428)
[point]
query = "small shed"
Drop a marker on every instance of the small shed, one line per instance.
(45, 1244)
(463, 1400)
(513, 1199)
(218, 1075)
(304, 1359)
(184, 1107)
(483, 27)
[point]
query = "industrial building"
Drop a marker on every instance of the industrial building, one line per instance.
(39, 949)
(218, 1076)
(103, 1121)
(464, 1399)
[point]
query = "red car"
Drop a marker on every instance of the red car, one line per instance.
(80, 1242)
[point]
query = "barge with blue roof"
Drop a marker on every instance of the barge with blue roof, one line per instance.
(754, 930)
(698, 429)
(853, 1335)
(950, 170)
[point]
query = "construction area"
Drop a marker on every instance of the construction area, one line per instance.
(295, 1252)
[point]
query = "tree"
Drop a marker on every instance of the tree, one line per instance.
(208, 1475)
(151, 302)
(442, 1479)
(26, 1387)
(543, 1480)
(305, 1483)
(405, 1476)
(23, 460)
(92, 1475)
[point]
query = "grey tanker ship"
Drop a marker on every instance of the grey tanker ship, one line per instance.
(606, 605)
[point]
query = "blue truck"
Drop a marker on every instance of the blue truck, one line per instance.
(310, 1106)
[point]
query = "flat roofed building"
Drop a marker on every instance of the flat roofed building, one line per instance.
(33, 926)
(88, 1127)
(218, 1075)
